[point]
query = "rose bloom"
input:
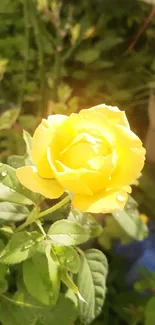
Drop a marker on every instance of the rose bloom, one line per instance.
(92, 154)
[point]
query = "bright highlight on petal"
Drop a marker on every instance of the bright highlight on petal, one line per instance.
(41, 140)
(49, 188)
(103, 202)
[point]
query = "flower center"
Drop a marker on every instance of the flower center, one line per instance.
(82, 149)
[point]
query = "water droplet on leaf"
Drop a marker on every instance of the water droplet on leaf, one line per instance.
(29, 244)
(4, 173)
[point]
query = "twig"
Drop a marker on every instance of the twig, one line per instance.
(141, 30)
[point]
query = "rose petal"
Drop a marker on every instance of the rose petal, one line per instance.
(97, 179)
(85, 147)
(70, 180)
(92, 123)
(49, 188)
(112, 113)
(40, 142)
(103, 202)
(131, 157)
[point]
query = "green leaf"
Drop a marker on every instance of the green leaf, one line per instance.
(150, 312)
(64, 313)
(21, 246)
(4, 4)
(88, 56)
(28, 122)
(31, 218)
(68, 281)
(131, 224)
(87, 220)
(112, 230)
(16, 161)
(8, 118)
(3, 270)
(6, 232)
(15, 312)
(54, 273)
(109, 42)
(28, 140)
(68, 258)
(80, 74)
(129, 306)
(68, 233)
(10, 212)
(9, 179)
(78, 216)
(42, 4)
(105, 240)
(38, 280)
(123, 225)
(64, 92)
(3, 286)
(3, 267)
(91, 283)
(8, 194)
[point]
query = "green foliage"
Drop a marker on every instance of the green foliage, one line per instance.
(91, 283)
(24, 309)
(28, 141)
(47, 260)
(150, 312)
(14, 191)
(8, 118)
(116, 228)
(41, 279)
(10, 212)
(86, 220)
(11, 196)
(67, 232)
(20, 247)
(68, 258)
(53, 43)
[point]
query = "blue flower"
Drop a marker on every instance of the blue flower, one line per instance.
(139, 255)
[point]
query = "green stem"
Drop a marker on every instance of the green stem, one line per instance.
(18, 303)
(44, 213)
(55, 207)
(38, 223)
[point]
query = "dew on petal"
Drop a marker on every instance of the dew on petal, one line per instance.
(121, 197)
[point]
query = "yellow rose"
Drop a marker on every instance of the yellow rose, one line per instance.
(93, 154)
